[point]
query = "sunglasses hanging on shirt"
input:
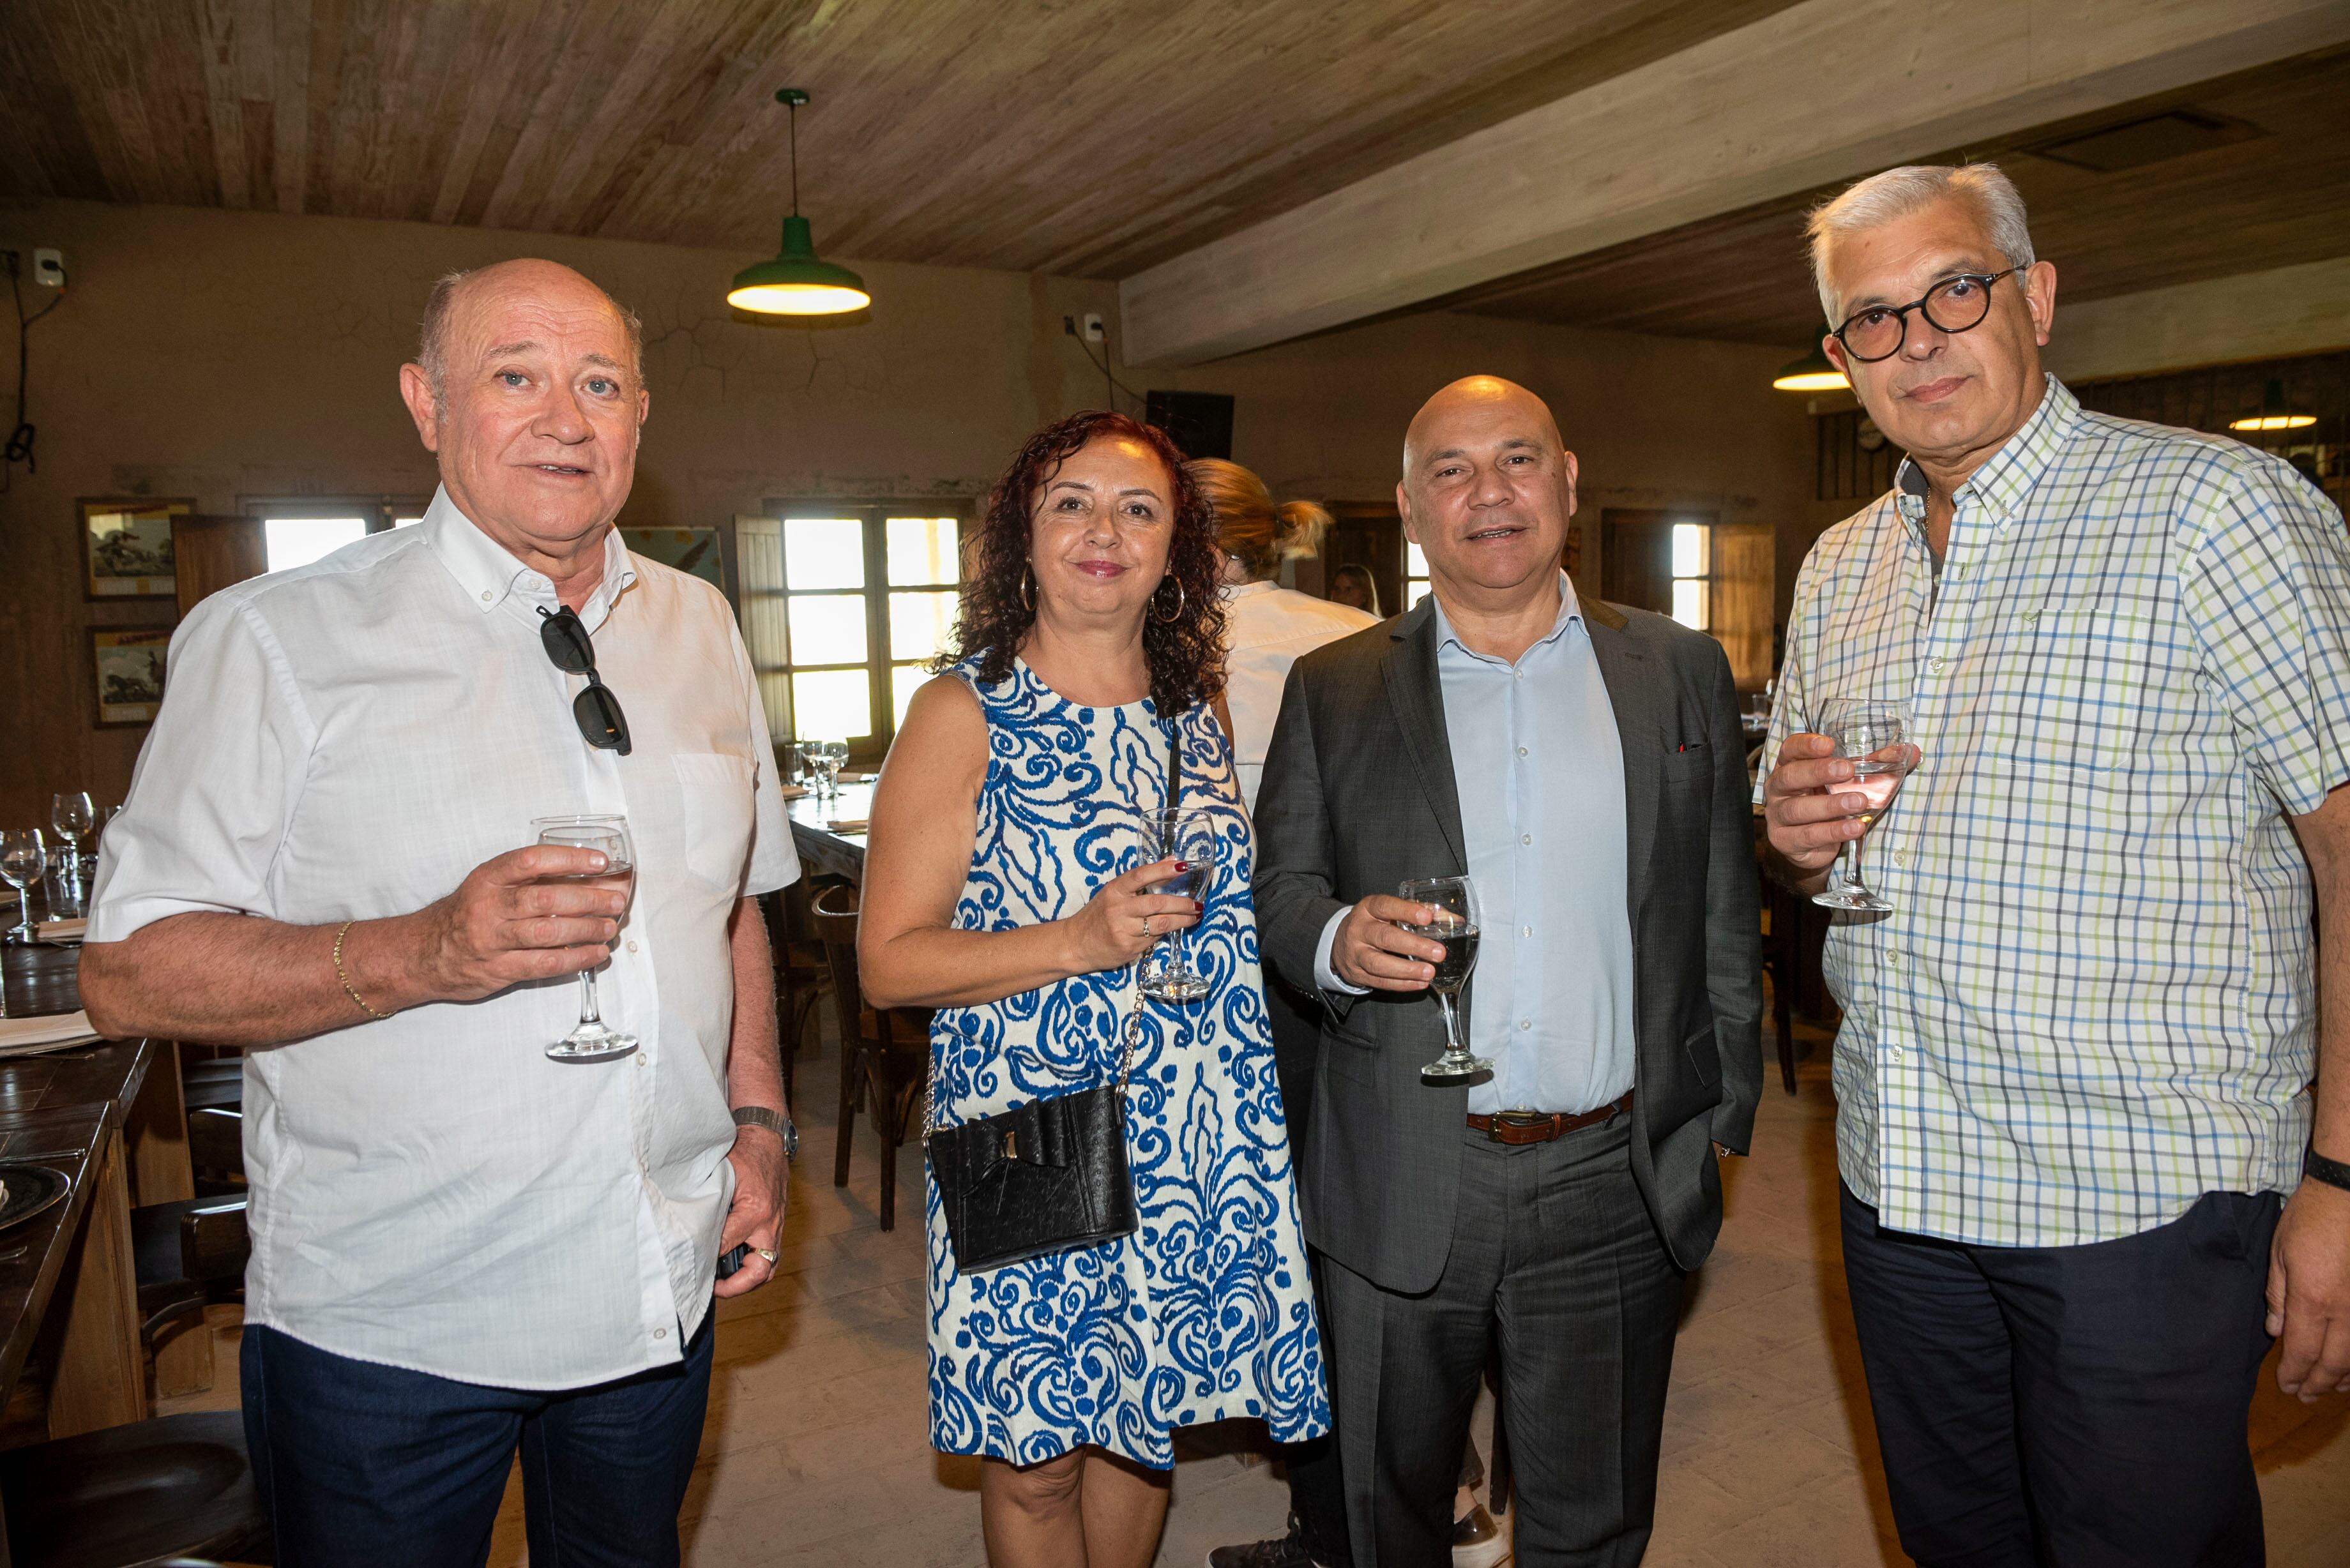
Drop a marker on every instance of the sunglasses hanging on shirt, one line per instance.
(598, 711)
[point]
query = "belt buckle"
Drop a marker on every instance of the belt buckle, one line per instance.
(1517, 1119)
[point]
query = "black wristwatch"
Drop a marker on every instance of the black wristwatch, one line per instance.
(774, 1122)
(2332, 1172)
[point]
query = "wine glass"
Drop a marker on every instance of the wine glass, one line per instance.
(1874, 737)
(72, 816)
(1453, 902)
(24, 861)
(594, 1040)
(1187, 833)
(836, 757)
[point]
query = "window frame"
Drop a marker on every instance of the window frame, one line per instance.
(380, 511)
(880, 661)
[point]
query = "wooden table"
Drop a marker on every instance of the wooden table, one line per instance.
(101, 1114)
(822, 849)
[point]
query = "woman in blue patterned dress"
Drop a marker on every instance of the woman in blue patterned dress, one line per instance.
(1005, 887)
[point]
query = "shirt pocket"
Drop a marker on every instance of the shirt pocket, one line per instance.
(715, 813)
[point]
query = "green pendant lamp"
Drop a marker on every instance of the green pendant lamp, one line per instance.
(2275, 414)
(1811, 373)
(796, 283)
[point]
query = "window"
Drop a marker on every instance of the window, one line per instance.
(1692, 562)
(303, 529)
(1415, 575)
(842, 606)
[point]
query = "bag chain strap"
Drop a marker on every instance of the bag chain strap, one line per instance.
(1132, 1030)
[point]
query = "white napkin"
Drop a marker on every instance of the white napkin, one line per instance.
(20, 1036)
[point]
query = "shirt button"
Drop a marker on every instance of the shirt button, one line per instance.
(1900, 857)
(1526, 931)
(661, 1333)
(1525, 838)
(1522, 675)
(1525, 1023)
(1892, 1054)
(1934, 666)
(2032, 618)
(1522, 750)
(485, 595)
(642, 1059)
(632, 946)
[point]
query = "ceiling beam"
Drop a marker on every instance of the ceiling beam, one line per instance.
(2272, 314)
(1826, 91)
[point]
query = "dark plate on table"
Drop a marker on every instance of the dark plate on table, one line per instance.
(31, 1188)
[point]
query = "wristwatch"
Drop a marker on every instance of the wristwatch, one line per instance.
(774, 1122)
(2332, 1172)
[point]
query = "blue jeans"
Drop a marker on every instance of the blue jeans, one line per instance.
(365, 1465)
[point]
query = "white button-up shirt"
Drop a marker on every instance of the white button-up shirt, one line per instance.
(1267, 629)
(347, 742)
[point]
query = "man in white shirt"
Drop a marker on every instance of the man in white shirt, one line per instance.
(461, 1246)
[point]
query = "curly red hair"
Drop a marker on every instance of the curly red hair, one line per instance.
(1186, 655)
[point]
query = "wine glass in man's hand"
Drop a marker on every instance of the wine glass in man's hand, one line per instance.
(1874, 738)
(1450, 904)
(594, 1040)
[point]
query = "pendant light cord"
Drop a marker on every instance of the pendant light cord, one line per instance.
(796, 158)
(19, 446)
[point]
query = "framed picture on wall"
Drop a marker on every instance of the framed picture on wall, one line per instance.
(129, 663)
(697, 552)
(125, 546)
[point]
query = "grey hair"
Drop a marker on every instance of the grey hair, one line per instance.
(1893, 195)
(432, 337)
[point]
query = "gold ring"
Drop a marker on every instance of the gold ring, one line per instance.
(764, 1253)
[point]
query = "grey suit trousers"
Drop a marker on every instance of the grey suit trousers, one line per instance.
(1554, 1248)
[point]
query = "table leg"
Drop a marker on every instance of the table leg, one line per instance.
(159, 1170)
(99, 1374)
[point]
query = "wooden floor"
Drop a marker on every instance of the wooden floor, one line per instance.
(815, 1451)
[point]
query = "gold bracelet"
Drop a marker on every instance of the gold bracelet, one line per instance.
(348, 989)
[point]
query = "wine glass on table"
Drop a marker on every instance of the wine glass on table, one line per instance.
(73, 816)
(24, 861)
(594, 1040)
(1874, 737)
(1453, 907)
(1188, 835)
(836, 757)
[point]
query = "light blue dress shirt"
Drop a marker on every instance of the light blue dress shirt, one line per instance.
(1539, 769)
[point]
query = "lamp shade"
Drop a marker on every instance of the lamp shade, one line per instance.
(796, 282)
(2275, 414)
(1811, 373)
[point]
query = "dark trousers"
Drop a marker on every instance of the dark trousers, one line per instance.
(1553, 1246)
(1317, 1490)
(2069, 1406)
(366, 1465)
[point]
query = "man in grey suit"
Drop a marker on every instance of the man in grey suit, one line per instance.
(1585, 765)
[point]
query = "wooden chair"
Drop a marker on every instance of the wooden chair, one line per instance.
(216, 1149)
(800, 969)
(188, 1253)
(885, 1053)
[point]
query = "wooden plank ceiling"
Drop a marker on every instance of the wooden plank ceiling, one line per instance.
(2271, 189)
(1087, 137)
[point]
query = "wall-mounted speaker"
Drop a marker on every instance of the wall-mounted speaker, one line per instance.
(1199, 422)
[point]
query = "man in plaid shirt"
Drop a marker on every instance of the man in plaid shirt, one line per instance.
(2074, 1080)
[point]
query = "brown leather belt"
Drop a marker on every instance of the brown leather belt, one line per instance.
(1528, 1126)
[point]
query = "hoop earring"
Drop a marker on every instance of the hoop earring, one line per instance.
(1177, 614)
(1026, 602)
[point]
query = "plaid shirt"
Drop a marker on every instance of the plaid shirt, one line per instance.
(2094, 1001)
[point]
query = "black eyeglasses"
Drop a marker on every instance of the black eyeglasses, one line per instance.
(598, 711)
(1956, 304)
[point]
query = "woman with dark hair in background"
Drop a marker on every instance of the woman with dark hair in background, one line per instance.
(1005, 885)
(1267, 627)
(1353, 585)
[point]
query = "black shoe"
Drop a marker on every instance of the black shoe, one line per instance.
(1285, 1552)
(1477, 1541)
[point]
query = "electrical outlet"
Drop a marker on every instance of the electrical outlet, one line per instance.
(1094, 326)
(50, 267)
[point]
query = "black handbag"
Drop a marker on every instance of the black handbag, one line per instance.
(1050, 1176)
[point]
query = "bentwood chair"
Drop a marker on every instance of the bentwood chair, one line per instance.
(135, 1496)
(885, 1053)
(800, 969)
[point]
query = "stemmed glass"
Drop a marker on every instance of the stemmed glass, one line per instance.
(24, 861)
(1188, 835)
(594, 1040)
(72, 816)
(1874, 737)
(836, 757)
(1452, 901)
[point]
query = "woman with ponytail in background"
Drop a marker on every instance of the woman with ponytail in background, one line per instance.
(1267, 628)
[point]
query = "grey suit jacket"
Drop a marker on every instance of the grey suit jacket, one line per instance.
(1359, 795)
